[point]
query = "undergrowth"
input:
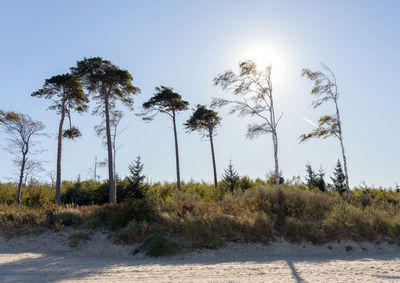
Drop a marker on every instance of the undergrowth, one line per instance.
(207, 218)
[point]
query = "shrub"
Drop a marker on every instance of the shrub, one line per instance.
(136, 209)
(158, 246)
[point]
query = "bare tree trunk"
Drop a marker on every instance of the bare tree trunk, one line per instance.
(178, 175)
(95, 169)
(114, 160)
(112, 190)
(277, 174)
(275, 142)
(21, 177)
(59, 151)
(213, 159)
(343, 153)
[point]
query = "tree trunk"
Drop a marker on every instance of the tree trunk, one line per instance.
(21, 177)
(213, 158)
(178, 175)
(277, 174)
(275, 142)
(112, 190)
(343, 153)
(59, 151)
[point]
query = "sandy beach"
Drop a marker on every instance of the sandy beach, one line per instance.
(48, 258)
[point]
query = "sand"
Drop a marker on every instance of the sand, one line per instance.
(48, 258)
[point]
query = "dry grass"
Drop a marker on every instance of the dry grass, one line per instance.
(205, 218)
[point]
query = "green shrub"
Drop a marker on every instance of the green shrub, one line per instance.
(158, 246)
(136, 209)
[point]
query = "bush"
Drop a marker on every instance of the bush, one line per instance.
(137, 209)
(158, 246)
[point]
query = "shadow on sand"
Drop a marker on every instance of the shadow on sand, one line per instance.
(72, 266)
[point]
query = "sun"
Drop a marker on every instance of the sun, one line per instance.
(265, 55)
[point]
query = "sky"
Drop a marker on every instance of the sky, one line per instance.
(184, 45)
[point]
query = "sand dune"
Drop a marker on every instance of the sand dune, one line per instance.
(48, 258)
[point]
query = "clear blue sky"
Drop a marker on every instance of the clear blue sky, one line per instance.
(184, 44)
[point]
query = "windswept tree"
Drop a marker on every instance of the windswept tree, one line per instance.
(205, 121)
(252, 90)
(168, 102)
(66, 93)
(108, 84)
(22, 131)
(326, 89)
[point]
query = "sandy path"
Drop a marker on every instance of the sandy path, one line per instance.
(48, 259)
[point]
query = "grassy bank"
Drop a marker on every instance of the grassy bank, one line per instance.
(206, 218)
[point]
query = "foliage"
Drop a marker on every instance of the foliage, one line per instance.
(271, 179)
(136, 209)
(253, 92)
(339, 179)
(136, 187)
(158, 246)
(315, 180)
(164, 100)
(203, 120)
(202, 220)
(67, 94)
(231, 177)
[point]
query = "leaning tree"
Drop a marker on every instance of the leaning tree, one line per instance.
(108, 84)
(252, 90)
(205, 121)
(166, 101)
(66, 93)
(326, 89)
(22, 131)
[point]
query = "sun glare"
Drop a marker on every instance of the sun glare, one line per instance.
(264, 56)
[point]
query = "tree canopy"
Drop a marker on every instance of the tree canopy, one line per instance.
(203, 120)
(164, 100)
(67, 94)
(101, 77)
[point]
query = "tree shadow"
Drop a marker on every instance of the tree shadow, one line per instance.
(294, 272)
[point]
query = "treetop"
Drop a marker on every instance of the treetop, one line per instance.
(202, 119)
(164, 100)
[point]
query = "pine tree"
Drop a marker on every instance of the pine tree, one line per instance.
(136, 179)
(231, 177)
(168, 102)
(339, 179)
(315, 180)
(310, 177)
(320, 182)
